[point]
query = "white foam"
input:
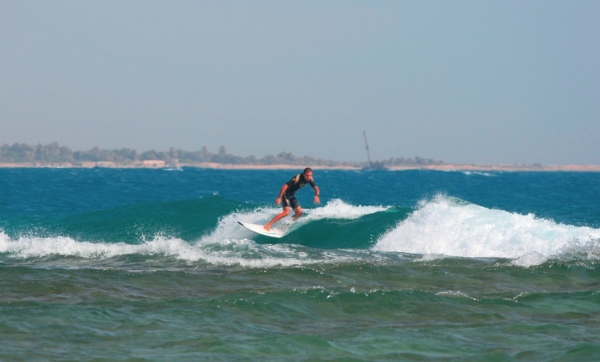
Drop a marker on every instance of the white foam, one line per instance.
(447, 226)
(228, 244)
(479, 173)
(338, 209)
(245, 253)
(30, 247)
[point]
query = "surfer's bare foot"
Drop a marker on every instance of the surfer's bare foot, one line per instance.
(296, 216)
(267, 227)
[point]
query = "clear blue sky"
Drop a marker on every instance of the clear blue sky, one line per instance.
(459, 81)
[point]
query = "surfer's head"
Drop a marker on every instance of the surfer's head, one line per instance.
(308, 173)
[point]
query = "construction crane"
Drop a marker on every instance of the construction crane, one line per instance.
(368, 152)
(372, 165)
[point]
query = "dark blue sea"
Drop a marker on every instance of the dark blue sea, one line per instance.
(151, 265)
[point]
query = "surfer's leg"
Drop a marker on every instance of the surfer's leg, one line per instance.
(298, 213)
(296, 206)
(284, 213)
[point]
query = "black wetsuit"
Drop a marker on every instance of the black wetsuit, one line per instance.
(294, 185)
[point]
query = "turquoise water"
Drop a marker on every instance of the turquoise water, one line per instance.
(103, 264)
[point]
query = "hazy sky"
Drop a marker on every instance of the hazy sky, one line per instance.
(459, 81)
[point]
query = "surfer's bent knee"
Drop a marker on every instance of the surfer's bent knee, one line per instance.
(298, 212)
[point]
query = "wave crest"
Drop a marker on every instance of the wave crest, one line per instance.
(452, 227)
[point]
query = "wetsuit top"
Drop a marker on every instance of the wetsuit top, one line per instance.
(296, 183)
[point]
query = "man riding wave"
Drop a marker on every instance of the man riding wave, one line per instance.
(288, 200)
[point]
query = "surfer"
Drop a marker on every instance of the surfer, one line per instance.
(288, 200)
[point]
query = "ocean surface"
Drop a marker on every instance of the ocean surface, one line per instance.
(151, 265)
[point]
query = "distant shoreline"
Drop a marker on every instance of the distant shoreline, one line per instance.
(223, 166)
(53, 155)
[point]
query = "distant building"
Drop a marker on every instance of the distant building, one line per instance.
(154, 163)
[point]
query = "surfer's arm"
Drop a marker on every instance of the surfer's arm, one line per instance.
(317, 194)
(281, 192)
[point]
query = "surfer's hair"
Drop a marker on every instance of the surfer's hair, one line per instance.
(308, 169)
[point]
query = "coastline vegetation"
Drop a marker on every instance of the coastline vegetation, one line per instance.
(54, 153)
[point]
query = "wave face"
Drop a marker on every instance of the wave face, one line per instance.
(438, 227)
(107, 213)
(108, 264)
(202, 230)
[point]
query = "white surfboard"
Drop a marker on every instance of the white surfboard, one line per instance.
(274, 233)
